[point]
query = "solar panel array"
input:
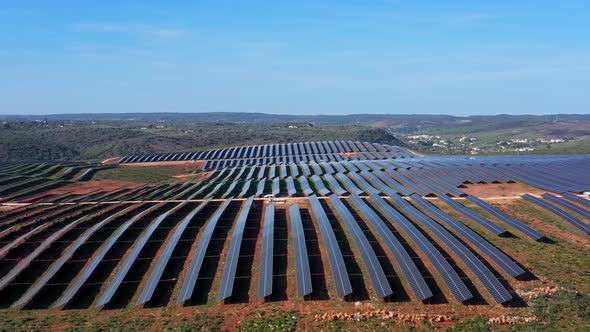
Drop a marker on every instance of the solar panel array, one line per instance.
(486, 277)
(559, 212)
(363, 187)
(447, 273)
(279, 153)
(376, 274)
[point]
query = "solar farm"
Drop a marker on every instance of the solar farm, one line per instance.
(297, 224)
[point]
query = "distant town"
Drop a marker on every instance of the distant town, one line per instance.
(474, 145)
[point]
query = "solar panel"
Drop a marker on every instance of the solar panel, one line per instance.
(361, 166)
(430, 188)
(294, 170)
(519, 225)
(230, 189)
(342, 146)
(383, 186)
(231, 263)
(251, 173)
(271, 172)
(316, 168)
(350, 166)
(16, 242)
(126, 265)
(448, 274)
(376, 274)
(483, 273)
(573, 207)
(186, 292)
(445, 188)
(260, 188)
(245, 188)
(364, 185)
(339, 273)
(560, 213)
(577, 199)
(305, 169)
(339, 168)
(480, 220)
(87, 271)
(472, 237)
(328, 168)
(334, 185)
(154, 278)
(276, 186)
(408, 268)
(350, 187)
(300, 249)
(305, 185)
(266, 256)
(319, 185)
(58, 264)
(296, 149)
(406, 182)
(23, 263)
(291, 186)
(261, 172)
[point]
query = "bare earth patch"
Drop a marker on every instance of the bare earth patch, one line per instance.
(82, 188)
(197, 164)
(488, 190)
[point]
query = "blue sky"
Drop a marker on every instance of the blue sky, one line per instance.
(295, 57)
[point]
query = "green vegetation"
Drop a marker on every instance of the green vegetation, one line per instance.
(197, 323)
(564, 311)
(275, 321)
(11, 321)
(138, 174)
(101, 136)
(20, 141)
(475, 324)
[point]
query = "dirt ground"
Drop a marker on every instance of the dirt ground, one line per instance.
(7, 207)
(82, 188)
(487, 190)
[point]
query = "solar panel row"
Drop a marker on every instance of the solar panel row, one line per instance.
(339, 272)
(447, 273)
(376, 274)
(304, 286)
(472, 237)
(188, 286)
(517, 224)
(93, 263)
(408, 267)
(231, 264)
(483, 273)
(156, 274)
(480, 220)
(266, 256)
(560, 213)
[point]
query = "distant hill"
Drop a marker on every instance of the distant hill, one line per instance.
(265, 118)
(96, 136)
(84, 140)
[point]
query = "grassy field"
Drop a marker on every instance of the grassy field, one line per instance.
(154, 174)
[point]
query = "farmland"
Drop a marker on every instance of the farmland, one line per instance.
(356, 235)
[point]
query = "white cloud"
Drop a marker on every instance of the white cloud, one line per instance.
(133, 29)
(466, 18)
